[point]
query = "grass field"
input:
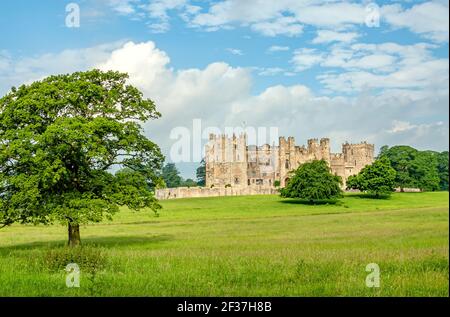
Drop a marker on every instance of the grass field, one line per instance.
(247, 246)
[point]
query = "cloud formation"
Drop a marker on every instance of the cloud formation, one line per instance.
(428, 19)
(408, 107)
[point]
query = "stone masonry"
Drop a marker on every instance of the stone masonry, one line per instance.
(231, 162)
(235, 168)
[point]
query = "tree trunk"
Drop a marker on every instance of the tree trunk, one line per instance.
(74, 235)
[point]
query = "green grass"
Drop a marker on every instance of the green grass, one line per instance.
(246, 246)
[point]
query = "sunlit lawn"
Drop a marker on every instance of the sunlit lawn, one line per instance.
(247, 246)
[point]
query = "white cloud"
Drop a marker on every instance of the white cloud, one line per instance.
(235, 51)
(280, 26)
(221, 95)
(17, 71)
(270, 71)
(430, 19)
(270, 17)
(288, 17)
(386, 65)
(327, 36)
(125, 7)
(305, 58)
(277, 48)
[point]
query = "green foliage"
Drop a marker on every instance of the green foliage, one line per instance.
(427, 170)
(201, 173)
(59, 138)
(442, 161)
(171, 176)
(314, 182)
(276, 183)
(377, 179)
(189, 183)
(424, 170)
(89, 258)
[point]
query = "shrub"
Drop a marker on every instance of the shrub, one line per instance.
(377, 179)
(89, 258)
(313, 182)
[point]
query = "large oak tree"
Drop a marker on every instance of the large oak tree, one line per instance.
(59, 140)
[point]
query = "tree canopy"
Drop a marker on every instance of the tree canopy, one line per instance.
(59, 139)
(201, 173)
(427, 170)
(171, 176)
(313, 181)
(377, 179)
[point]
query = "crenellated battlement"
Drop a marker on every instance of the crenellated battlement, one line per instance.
(231, 162)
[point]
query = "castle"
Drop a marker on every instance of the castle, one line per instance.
(235, 168)
(230, 162)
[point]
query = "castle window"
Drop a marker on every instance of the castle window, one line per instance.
(248, 182)
(287, 164)
(236, 180)
(259, 182)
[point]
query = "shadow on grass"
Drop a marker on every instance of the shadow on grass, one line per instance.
(369, 196)
(297, 201)
(105, 242)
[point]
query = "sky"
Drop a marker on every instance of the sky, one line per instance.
(376, 71)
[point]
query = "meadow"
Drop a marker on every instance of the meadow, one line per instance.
(245, 246)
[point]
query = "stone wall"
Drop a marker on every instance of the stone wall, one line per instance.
(231, 162)
(190, 192)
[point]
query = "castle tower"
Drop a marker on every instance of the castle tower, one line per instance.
(313, 148)
(356, 156)
(325, 149)
(287, 159)
(226, 160)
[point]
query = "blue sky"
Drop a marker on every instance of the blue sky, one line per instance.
(311, 68)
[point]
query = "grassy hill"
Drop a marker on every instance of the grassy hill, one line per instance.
(245, 246)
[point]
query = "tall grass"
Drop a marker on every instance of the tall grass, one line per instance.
(242, 246)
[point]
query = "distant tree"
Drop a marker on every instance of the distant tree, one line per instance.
(442, 167)
(377, 179)
(201, 173)
(277, 183)
(189, 183)
(152, 180)
(426, 170)
(313, 181)
(59, 138)
(383, 150)
(171, 176)
(401, 158)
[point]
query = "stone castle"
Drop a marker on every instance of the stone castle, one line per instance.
(235, 168)
(231, 162)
